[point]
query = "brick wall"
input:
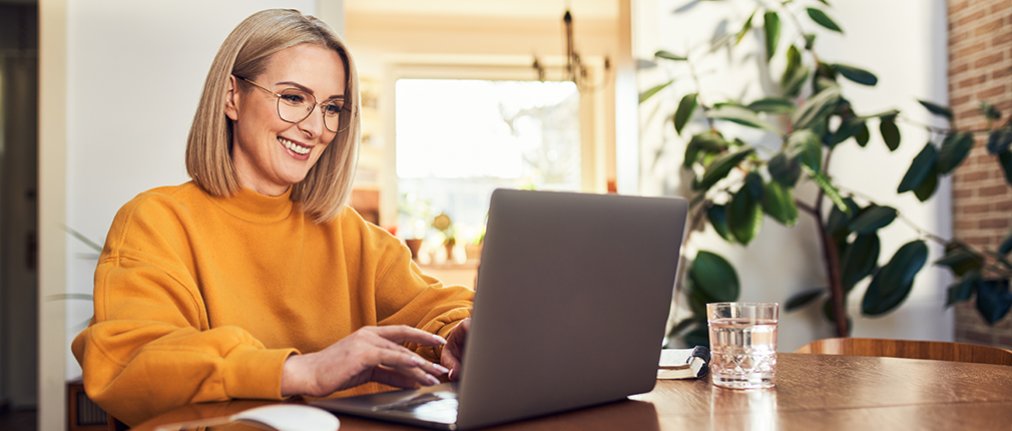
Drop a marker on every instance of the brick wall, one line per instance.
(980, 69)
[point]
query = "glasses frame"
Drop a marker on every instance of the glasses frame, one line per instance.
(344, 108)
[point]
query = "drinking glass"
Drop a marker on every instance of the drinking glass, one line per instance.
(743, 344)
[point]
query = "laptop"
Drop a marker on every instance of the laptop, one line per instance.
(572, 296)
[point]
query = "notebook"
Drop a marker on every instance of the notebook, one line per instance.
(571, 300)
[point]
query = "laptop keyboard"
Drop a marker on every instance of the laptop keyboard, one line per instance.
(435, 406)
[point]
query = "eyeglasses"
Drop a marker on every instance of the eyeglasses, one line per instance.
(295, 105)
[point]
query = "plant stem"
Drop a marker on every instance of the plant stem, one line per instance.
(940, 130)
(831, 260)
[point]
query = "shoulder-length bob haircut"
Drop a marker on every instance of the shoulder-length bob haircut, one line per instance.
(245, 53)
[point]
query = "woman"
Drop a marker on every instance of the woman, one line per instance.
(254, 280)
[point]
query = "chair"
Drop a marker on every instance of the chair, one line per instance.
(936, 350)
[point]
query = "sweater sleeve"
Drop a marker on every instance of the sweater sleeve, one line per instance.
(149, 348)
(407, 296)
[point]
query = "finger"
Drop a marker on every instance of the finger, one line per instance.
(406, 334)
(397, 378)
(407, 364)
(429, 367)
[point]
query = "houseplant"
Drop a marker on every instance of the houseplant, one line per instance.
(807, 116)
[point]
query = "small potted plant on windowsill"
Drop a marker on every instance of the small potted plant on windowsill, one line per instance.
(444, 224)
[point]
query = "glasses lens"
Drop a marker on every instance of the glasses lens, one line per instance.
(332, 115)
(295, 105)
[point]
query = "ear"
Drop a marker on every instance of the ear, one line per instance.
(232, 99)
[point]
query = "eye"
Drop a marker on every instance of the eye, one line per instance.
(293, 98)
(332, 108)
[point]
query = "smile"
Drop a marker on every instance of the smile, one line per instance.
(296, 148)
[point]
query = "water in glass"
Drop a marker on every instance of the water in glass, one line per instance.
(743, 352)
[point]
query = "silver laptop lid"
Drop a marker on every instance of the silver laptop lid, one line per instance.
(572, 297)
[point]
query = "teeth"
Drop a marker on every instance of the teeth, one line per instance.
(298, 149)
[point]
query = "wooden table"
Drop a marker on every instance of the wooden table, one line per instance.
(813, 392)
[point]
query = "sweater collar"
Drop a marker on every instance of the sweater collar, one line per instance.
(249, 205)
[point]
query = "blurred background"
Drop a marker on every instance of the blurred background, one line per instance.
(462, 96)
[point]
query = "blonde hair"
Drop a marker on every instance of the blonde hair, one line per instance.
(245, 53)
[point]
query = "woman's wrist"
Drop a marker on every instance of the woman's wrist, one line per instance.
(295, 376)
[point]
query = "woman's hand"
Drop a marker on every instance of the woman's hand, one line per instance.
(373, 353)
(453, 352)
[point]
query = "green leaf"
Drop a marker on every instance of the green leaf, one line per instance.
(960, 259)
(714, 277)
(890, 133)
(927, 188)
(816, 108)
(745, 27)
(741, 116)
(857, 74)
(717, 215)
(862, 136)
(1006, 245)
(793, 61)
(989, 111)
(955, 148)
(70, 296)
(936, 109)
(872, 219)
(797, 80)
(822, 19)
(771, 26)
(94, 246)
(839, 219)
(785, 169)
(893, 282)
(993, 300)
(720, 167)
(774, 105)
(646, 95)
(999, 140)
(809, 41)
(828, 188)
(698, 337)
(669, 56)
(960, 291)
(685, 109)
(807, 147)
(846, 130)
(859, 260)
(1005, 159)
(745, 214)
(920, 169)
(803, 298)
(708, 142)
(778, 202)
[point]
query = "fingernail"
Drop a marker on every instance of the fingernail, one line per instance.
(440, 368)
(431, 380)
(450, 375)
(439, 339)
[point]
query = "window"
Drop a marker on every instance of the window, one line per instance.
(457, 140)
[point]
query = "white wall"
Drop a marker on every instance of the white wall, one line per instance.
(132, 72)
(904, 43)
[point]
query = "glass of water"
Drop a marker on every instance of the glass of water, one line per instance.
(743, 344)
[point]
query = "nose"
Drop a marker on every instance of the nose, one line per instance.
(312, 126)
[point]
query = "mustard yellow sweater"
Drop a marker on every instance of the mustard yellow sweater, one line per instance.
(200, 298)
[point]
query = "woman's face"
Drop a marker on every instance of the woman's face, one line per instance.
(269, 153)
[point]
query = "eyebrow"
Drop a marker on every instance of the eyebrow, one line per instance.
(307, 89)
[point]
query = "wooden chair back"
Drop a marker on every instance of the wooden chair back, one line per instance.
(936, 350)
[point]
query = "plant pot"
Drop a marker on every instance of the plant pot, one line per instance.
(414, 244)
